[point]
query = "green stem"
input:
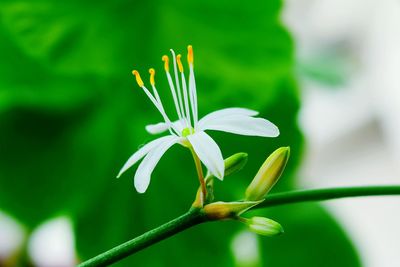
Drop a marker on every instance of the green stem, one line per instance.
(195, 216)
(199, 170)
(185, 221)
(326, 194)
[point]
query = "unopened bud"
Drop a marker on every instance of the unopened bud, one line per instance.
(264, 226)
(235, 163)
(268, 174)
(225, 210)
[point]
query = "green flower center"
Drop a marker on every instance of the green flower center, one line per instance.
(187, 131)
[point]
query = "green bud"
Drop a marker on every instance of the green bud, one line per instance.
(264, 226)
(268, 174)
(225, 210)
(235, 163)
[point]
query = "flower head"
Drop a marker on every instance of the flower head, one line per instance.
(187, 130)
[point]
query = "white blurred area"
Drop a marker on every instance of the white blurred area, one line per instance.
(12, 236)
(51, 244)
(352, 128)
(245, 249)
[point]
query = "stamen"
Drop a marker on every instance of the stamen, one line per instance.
(152, 73)
(156, 101)
(178, 88)
(193, 96)
(138, 79)
(172, 129)
(157, 96)
(190, 54)
(192, 86)
(178, 60)
(185, 97)
(171, 85)
(184, 89)
(166, 62)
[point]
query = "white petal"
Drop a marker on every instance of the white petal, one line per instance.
(141, 153)
(226, 112)
(146, 167)
(208, 152)
(157, 128)
(243, 125)
(162, 127)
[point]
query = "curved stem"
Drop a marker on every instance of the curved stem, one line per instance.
(183, 222)
(326, 194)
(200, 175)
(196, 216)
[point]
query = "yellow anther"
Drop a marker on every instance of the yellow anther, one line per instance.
(166, 61)
(152, 73)
(138, 79)
(190, 54)
(178, 60)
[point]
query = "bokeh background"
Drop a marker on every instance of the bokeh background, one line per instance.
(325, 72)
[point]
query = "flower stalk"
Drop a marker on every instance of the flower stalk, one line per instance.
(202, 193)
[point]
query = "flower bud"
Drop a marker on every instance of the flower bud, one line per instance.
(264, 226)
(225, 210)
(235, 163)
(268, 174)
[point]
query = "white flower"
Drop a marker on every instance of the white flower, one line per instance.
(188, 130)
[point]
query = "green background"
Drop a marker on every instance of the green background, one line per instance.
(71, 114)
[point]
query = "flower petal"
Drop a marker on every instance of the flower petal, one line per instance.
(162, 127)
(226, 112)
(157, 128)
(208, 152)
(243, 125)
(146, 167)
(141, 153)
